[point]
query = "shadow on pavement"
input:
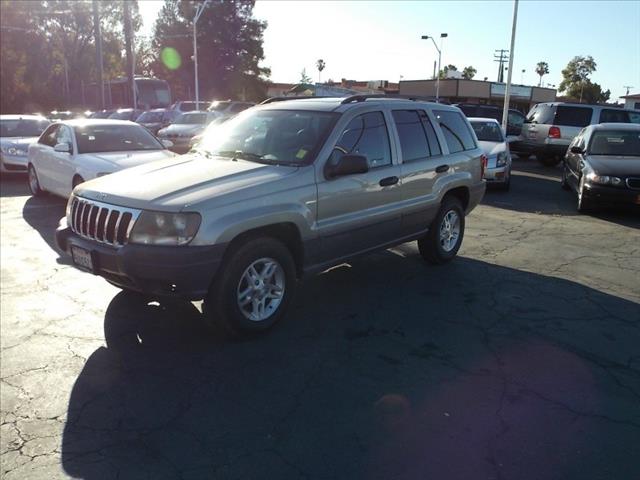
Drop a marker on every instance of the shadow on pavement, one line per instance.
(43, 214)
(384, 369)
(536, 189)
(14, 185)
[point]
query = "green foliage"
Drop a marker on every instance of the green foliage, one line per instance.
(443, 73)
(469, 72)
(542, 68)
(304, 78)
(576, 82)
(229, 50)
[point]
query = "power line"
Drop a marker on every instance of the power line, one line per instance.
(501, 56)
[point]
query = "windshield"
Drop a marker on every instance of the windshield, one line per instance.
(192, 119)
(615, 142)
(270, 136)
(22, 127)
(488, 131)
(150, 117)
(115, 138)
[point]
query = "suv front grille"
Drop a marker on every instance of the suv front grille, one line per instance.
(102, 222)
(633, 183)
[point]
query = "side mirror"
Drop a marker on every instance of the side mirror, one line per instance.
(348, 164)
(62, 148)
(167, 143)
(576, 149)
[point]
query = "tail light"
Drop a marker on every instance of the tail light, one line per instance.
(483, 164)
(554, 132)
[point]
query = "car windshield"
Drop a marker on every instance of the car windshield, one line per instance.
(615, 142)
(22, 127)
(150, 117)
(192, 119)
(115, 138)
(270, 136)
(488, 131)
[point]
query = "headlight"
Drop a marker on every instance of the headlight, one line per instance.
(159, 228)
(604, 179)
(502, 159)
(15, 151)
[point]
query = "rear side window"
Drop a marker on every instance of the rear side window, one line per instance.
(456, 131)
(412, 129)
(573, 116)
(367, 135)
(540, 113)
(614, 116)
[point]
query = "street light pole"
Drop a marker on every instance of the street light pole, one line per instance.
(426, 37)
(507, 90)
(199, 11)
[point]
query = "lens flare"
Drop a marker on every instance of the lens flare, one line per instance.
(170, 58)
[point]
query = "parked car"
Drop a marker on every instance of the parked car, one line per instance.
(284, 189)
(17, 132)
(60, 115)
(184, 128)
(189, 106)
(71, 152)
(130, 114)
(208, 131)
(229, 108)
(550, 127)
(602, 165)
(154, 120)
(515, 119)
(494, 145)
(102, 113)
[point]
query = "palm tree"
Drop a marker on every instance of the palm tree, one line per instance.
(320, 66)
(542, 68)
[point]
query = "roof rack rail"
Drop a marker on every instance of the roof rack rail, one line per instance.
(363, 97)
(283, 99)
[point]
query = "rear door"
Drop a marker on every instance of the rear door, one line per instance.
(361, 211)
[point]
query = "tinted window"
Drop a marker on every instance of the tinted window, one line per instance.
(634, 117)
(366, 135)
(150, 117)
(192, 119)
(22, 127)
(573, 116)
(413, 138)
(114, 138)
(434, 144)
(455, 130)
(49, 136)
(490, 113)
(614, 116)
(615, 142)
(487, 131)
(540, 113)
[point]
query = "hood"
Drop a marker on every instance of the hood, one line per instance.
(492, 148)
(183, 129)
(122, 160)
(17, 141)
(614, 165)
(184, 180)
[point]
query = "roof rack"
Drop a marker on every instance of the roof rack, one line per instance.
(282, 99)
(363, 97)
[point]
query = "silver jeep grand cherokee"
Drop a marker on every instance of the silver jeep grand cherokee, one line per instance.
(285, 189)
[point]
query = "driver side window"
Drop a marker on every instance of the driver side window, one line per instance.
(49, 136)
(64, 136)
(365, 135)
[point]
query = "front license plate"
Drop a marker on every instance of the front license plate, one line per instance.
(82, 258)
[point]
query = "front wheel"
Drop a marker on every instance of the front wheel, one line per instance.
(444, 238)
(254, 287)
(34, 183)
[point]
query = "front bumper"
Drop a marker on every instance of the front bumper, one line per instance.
(611, 196)
(13, 163)
(184, 272)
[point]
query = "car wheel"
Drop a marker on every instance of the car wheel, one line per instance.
(253, 289)
(34, 183)
(564, 183)
(504, 186)
(549, 160)
(444, 238)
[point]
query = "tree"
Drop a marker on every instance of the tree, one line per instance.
(304, 78)
(469, 72)
(229, 50)
(320, 66)
(443, 73)
(542, 68)
(576, 82)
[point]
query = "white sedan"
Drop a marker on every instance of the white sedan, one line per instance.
(74, 151)
(495, 147)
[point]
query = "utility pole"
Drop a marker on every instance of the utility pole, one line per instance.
(507, 90)
(98, 39)
(199, 11)
(128, 40)
(501, 56)
(628, 87)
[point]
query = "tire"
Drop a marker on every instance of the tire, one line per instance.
(549, 160)
(507, 183)
(34, 183)
(235, 282)
(432, 247)
(563, 181)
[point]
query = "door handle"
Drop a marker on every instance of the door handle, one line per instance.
(385, 182)
(442, 169)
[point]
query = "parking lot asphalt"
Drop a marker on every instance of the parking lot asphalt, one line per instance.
(518, 360)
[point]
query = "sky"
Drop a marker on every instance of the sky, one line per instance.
(380, 40)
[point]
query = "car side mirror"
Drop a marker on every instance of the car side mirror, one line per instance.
(167, 143)
(348, 164)
(576, 149)
(62, 148)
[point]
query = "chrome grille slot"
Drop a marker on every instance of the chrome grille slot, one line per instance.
(109, 224)
(633, 183)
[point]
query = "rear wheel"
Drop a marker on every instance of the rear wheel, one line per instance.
(444, 238)
(34, 183)
(254, 287)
